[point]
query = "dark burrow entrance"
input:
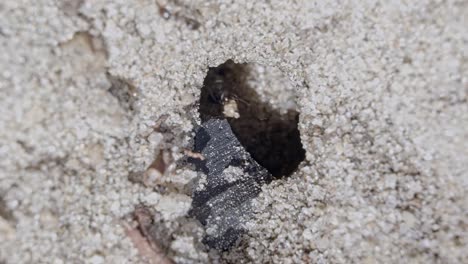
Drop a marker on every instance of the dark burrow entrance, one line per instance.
(270, 135)
(242, 144)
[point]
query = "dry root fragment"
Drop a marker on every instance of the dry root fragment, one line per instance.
(156, 172)
(139, 232)
(162, 162)
(194, 155)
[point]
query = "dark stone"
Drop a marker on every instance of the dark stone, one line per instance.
(224, 204)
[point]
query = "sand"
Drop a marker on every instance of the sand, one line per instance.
(93, 91)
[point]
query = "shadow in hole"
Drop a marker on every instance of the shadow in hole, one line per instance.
(271, 138)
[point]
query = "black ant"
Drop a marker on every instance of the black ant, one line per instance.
(219, 95)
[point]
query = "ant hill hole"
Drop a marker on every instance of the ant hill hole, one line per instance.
(259, 104)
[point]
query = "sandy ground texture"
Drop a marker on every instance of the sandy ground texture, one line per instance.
(92, 91)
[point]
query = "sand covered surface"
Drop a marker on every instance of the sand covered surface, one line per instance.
(99, 102)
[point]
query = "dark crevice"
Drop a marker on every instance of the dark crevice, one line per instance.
(180, 12)
(123, 91)
(270, 136)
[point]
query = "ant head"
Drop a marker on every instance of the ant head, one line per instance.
(217, 94)
(217, 97)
